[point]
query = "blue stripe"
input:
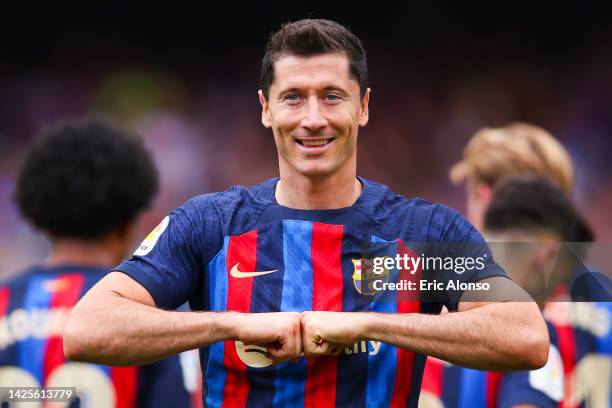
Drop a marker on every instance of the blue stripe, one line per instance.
(451, 385)
(265, 298)
(353, 361)
(472, 389)
(32, 349)
(214, 377)
(296, 297)
(384, 364)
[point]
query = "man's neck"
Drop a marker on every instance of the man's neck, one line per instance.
(76, 252)
(306, 193)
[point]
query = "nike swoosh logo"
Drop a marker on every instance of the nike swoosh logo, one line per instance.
(237, 274)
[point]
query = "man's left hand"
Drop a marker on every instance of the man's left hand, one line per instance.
(325, 333)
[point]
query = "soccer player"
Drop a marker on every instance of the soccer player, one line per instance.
(492, 155)
(273, 270)
(533, 218)
(83, 184)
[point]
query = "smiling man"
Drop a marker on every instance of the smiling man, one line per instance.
(283, 313)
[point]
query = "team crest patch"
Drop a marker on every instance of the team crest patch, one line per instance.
(364, 276)
(149, 242)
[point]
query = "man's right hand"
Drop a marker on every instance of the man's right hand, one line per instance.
(279, 333)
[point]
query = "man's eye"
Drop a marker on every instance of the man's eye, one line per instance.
(292, 98)
(333, 97)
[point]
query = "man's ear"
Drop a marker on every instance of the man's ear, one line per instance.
(365, 110)
(485, 193)
(545, 259)
(265, 110)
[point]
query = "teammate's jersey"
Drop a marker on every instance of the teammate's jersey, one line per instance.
(581, 342)
(205, 250)
(34, 308)
(584, 332)
(450, 386)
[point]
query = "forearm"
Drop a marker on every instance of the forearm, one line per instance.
(486, 337)
(112, 330)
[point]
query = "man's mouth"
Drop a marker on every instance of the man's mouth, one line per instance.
(314, 142)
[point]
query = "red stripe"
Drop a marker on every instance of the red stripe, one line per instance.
(566, 342)
(405, 358)
(493, 380)
(567, 349)
(5, 296)
(125, 383)
(433, 376)
(242, 250)
(322, 373)
(67, 291)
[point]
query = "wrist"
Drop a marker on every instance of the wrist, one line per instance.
(370, 323)
(226, 325)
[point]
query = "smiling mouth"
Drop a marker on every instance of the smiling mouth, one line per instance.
(314, 142)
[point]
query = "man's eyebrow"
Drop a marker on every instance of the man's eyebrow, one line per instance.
(326, 89)
(336, 88)
(287, 90)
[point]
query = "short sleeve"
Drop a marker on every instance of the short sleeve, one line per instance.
(464, 256)
(169, 260)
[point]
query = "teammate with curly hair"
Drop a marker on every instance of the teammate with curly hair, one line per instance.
(83, 185)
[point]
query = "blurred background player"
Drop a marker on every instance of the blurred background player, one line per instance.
(492, 155)
(496, 153)
(84, 185)
(535, 219)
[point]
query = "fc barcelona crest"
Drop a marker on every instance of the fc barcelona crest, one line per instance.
(364, 277)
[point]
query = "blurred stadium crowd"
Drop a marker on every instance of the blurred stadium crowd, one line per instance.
(197, 107)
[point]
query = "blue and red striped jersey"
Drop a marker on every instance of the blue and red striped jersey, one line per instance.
(451, 386)
(312, 262)
(34, 308)
(581, 340)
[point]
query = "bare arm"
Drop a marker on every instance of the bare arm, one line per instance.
(484, 335)
(495, 336)
(117, 323)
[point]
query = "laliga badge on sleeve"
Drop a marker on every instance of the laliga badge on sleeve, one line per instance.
(149, 242)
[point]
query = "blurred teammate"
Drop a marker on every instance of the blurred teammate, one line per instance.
(492, 155)
(253, 258)
(536, 219)
(496, 153)
(83, 184)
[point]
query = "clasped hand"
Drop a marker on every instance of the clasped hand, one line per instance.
(289, 335)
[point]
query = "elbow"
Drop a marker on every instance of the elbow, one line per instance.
(540, 353)
(74, 341)
(81, 341)
(534, 349)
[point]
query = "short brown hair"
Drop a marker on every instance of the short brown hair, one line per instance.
(495, 153)
(310, 37)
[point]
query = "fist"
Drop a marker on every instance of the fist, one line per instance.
(279, 333)
(325, 333)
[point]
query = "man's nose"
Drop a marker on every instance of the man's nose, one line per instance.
(314, 118)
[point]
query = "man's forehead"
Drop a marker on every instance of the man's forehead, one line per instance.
(322, 70)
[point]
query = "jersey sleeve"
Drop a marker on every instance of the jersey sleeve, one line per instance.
(169, 261)
(462, 252)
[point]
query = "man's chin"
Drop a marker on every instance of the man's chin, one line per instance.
(315, 171)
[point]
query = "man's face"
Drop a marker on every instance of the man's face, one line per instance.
(314, 109)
